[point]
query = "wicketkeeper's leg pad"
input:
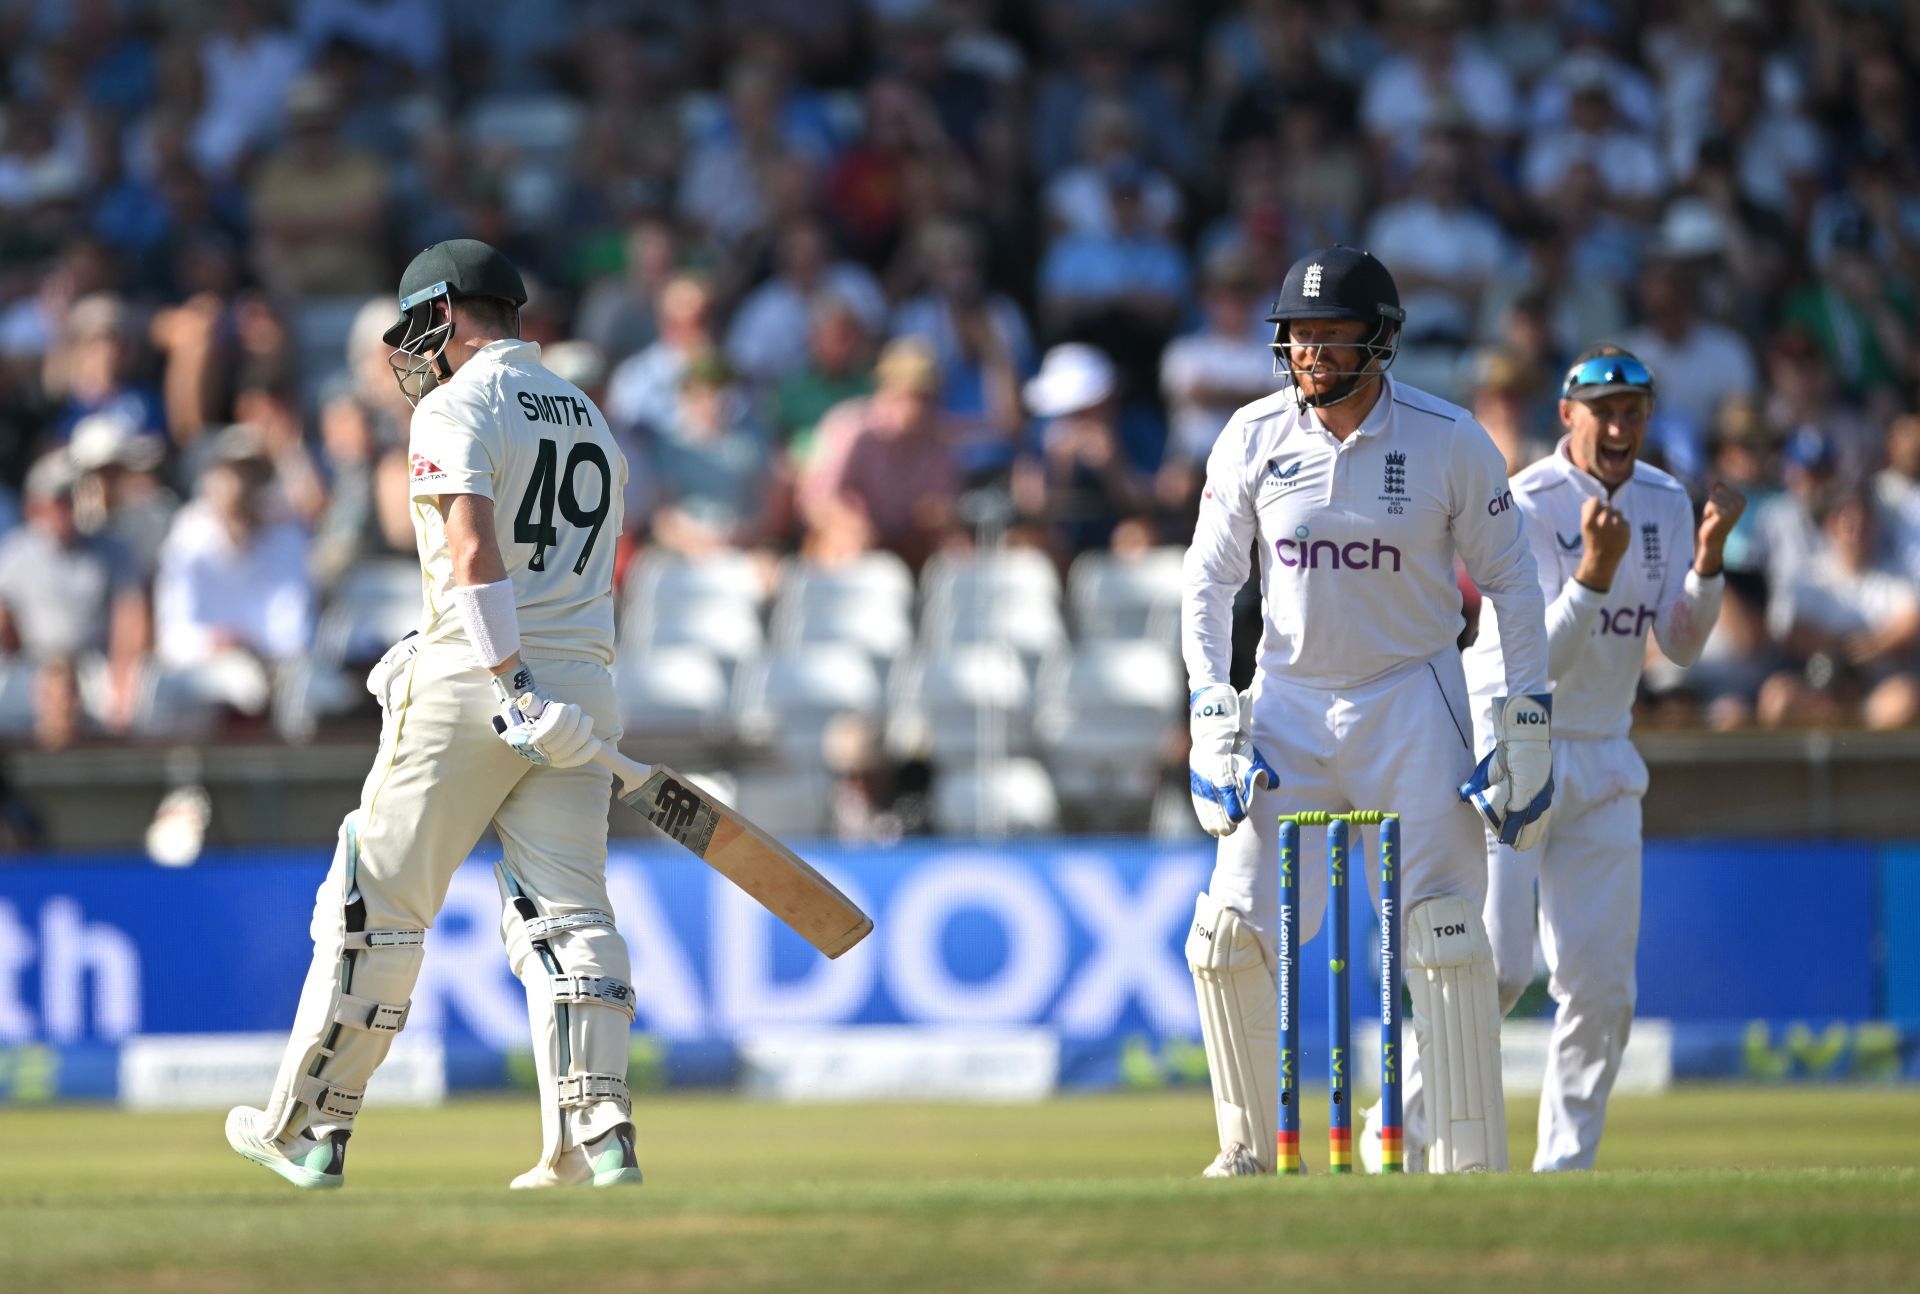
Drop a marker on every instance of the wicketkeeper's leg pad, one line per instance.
(1234, 979)
(1456, 1019)
(356, 998)
(580, 1002)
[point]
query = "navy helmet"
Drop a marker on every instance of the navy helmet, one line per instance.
(1339, 282)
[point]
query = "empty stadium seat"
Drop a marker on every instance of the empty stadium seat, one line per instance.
(671, 695)
(794, 804)
(867, 602)
(1112, 596)
(729, 630)
(1007, 797)
(374, 606)
(979, 578)
(664, 584)
(785, 698)
(1106, 708)
(961, 700)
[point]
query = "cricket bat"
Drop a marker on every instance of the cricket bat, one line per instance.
(778, 878)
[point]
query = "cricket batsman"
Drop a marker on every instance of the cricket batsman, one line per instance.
(492, 712)
(1619, 557)
(1357, 491)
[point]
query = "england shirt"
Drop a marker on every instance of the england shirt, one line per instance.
(505, 428)
(1597, 642)
(1356, 541)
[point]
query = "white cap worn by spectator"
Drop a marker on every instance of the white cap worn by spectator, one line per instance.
(112, 440)
(1074, 376)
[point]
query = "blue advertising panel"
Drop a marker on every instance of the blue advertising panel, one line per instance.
(1082, 937)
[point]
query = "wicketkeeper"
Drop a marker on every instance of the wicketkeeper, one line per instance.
(491, 713)
(1620, 558)
(1357, 491)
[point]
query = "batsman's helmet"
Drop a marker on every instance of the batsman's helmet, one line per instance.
(1339, 282)
(438, 276)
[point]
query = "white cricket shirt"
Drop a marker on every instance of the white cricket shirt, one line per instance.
(1357, 540)
(1597, 642)
(506, 428)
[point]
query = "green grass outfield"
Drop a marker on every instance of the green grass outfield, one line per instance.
(1742, 1189)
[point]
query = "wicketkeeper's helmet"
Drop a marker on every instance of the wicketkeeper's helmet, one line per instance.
(1339, 282)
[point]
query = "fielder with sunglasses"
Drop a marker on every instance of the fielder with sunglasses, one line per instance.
(1620, 558)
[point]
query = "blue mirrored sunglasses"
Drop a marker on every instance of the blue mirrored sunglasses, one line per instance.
(1608, 370)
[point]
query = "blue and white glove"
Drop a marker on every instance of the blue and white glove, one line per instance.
(1513, 786)
(539, 729)
(1223, 766)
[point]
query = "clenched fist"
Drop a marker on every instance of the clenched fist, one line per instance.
(1721, 515)
(1607, 535)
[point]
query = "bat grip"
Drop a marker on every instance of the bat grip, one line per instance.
(628, 772)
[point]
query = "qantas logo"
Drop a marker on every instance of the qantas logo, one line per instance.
(1571, 545)
(424, 468)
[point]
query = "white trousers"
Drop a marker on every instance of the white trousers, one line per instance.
(1401, 744)
(1588, 875)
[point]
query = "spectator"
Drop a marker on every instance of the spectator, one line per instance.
(1853, 624)
(883, 472)
(644, 392)
(1080, 485)
(365, 513)
(246, 65)
(838, 367)
(319, 204)
(877, 799)
(233, 597)
(64, 593)
(710, 465)
(118, 493)
(1443, 251)
(1079, 200)
(97, 368)
(617, 312)
(760, 340)
(1697, 364)
(1897, 490)
(1434, 75)
(1631, 177)
(1507, 402)
(1801, 393)
(1125, 288)
(979, 336)
(1862, 319)
(1786, 527)
(1209, 373)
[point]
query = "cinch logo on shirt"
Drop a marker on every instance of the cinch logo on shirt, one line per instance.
(1328, 554)
(1627, 622)
(1500, 503)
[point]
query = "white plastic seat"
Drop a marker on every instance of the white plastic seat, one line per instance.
(661, 585)
(1107, 708)
(867, 602)
(1013, 796)
(1125, 597)
(374, 606)
(16, 697)
(542, 127)
(1032, 626)
(791, 803)
(671, 694)
(729, 630)
(786, 698)
(974, 580)
(962, 700)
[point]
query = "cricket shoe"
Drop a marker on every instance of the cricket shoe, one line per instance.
(607, 1160)
(312, 1165)
(1372, 1155)
(1235, 1161)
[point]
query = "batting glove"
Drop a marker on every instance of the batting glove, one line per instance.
(539, 729)
(1223, 768)
(1513, 786)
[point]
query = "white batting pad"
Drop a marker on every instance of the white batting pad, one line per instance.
(1456, 1018)
(1233, 976)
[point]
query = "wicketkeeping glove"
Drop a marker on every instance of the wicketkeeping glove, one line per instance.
(1223, 767)
(539, 729)
(1513, 786)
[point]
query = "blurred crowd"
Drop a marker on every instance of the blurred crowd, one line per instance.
(910, 274)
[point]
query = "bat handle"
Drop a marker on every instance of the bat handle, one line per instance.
(629, 772)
